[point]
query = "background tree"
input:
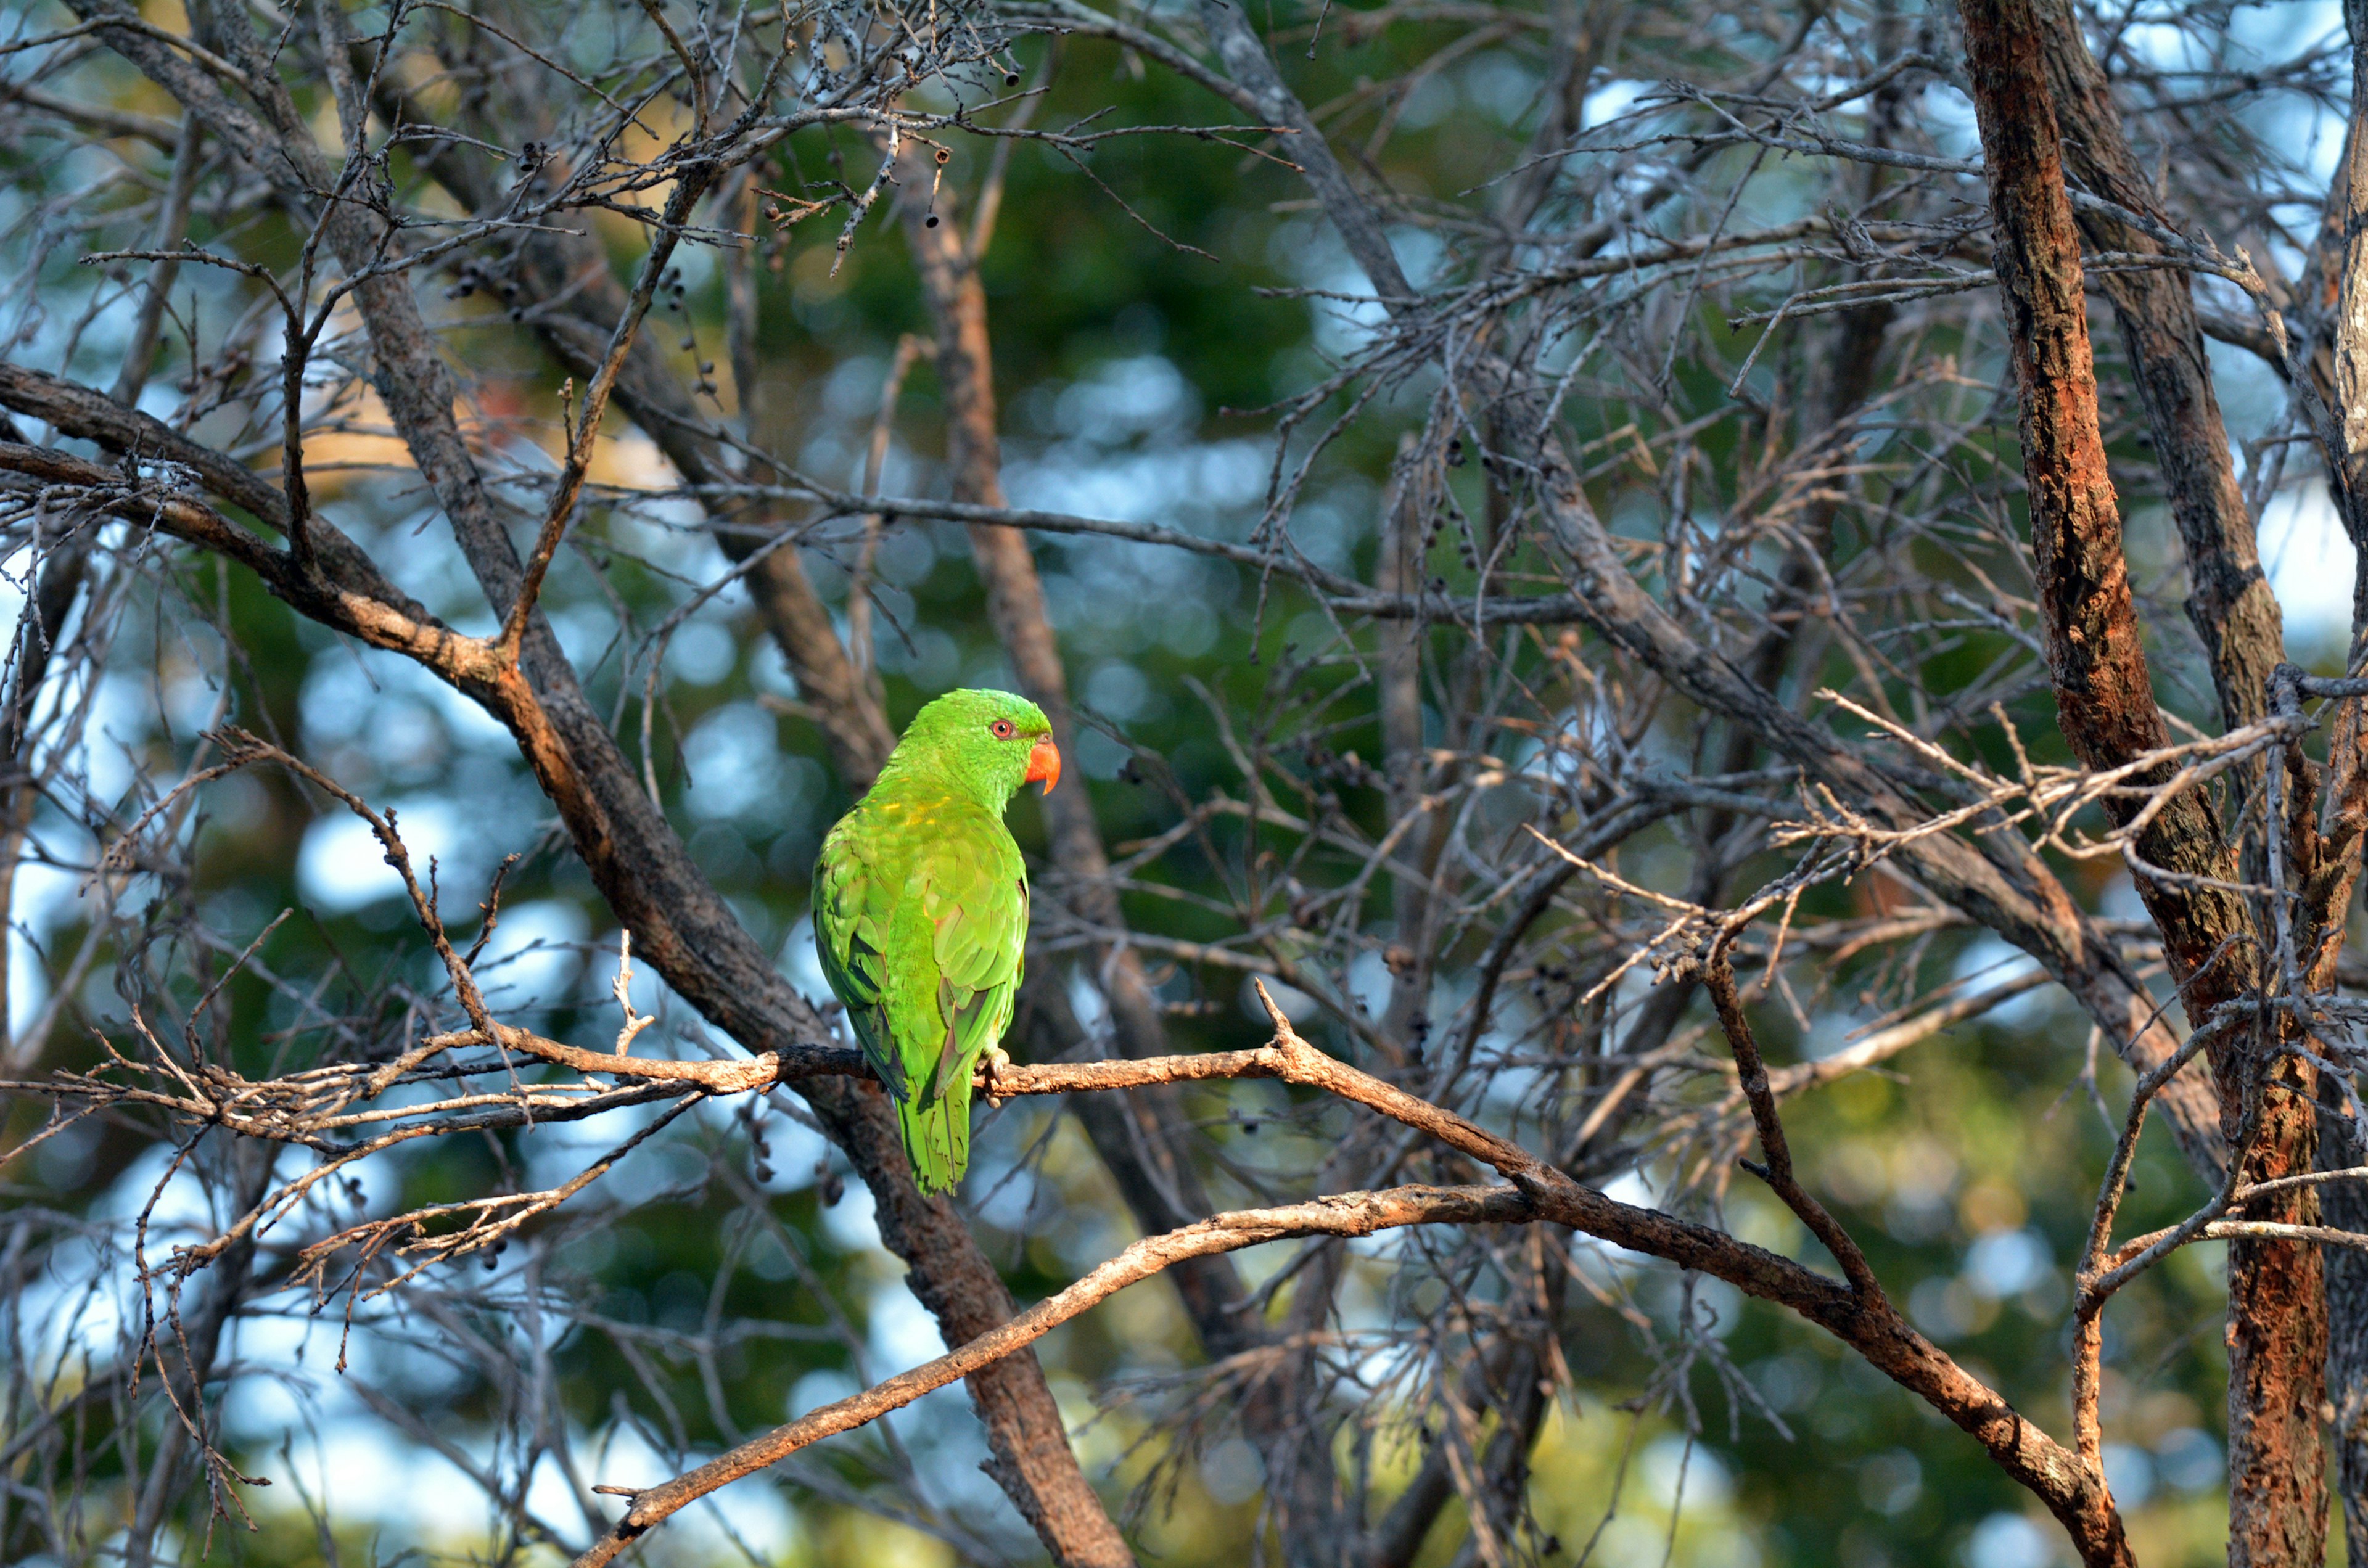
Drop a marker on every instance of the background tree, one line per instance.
(1695, 831)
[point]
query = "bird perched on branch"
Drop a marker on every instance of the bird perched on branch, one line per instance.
(920, 911)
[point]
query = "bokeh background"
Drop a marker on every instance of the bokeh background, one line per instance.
(1138, 379)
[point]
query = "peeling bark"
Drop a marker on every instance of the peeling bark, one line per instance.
(2105, 704)
(2228, 599)
(2344, 277)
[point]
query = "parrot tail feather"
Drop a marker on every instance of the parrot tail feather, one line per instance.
(936, 1135)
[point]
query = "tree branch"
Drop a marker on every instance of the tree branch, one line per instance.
(1351, 1214)
(2106, 705)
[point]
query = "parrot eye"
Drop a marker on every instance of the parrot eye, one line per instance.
(1002, 730)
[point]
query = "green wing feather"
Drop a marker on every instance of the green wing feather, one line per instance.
(920, 913)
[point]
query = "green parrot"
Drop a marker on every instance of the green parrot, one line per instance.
(920, 911)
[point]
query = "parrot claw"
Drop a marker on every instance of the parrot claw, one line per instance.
(994, 1060)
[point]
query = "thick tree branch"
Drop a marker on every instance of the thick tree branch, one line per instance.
(1539, 1192)
(2344, 1142)
(1351, 1214)
(2105, 702)
(2096, 651)
(2228, 598)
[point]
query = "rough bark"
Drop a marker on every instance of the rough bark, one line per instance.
(2344, 276)
(2096, 654)
(2277, 1351)
(2228, 599)
(2106, 708)
(2348, 214)
(2344, 1204)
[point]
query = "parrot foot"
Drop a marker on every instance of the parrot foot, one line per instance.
(995, 1060)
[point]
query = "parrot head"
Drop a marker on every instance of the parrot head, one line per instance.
(986, 742)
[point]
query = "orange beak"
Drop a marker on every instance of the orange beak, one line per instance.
(1044, 762)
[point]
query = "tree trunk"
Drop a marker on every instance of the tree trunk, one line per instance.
(2105, 699)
